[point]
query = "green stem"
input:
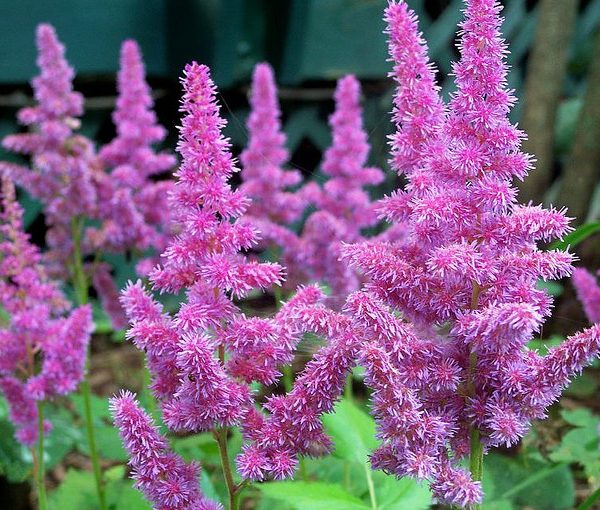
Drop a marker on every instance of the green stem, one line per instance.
(39, 470)
(590, 500)
(288, 378)
(233, 489)
(80, 282)
(348, 388)
(371, 487)
(476, 446)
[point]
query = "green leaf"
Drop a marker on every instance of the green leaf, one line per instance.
(76, 492)
(576, 237)
(394, 494)
(120, 492)
(581, 444)
(13, 456)
(352, 430)
(528, 483)
(312, 495)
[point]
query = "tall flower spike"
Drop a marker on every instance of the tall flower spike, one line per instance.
(449, 309)
(343, 205)
(588, 293)
(163, 477)
(205, 207)
(43, 343)
(264, 179)
(64, 167)
(133, 206)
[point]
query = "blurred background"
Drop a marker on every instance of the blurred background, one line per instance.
(555, 60)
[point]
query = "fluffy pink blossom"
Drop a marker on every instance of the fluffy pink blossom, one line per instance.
(343, 204)
(43, 342)
(132, 205)
(449, 310)
(204, 357)
(64, 166)
(264, 179)
(588, 293)
(163, 477)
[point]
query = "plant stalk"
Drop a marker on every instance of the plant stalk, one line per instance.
(80, 283)
(38, 461)
(233, 489)
(476, 447)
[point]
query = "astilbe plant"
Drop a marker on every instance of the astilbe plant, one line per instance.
(265, 181)
(43, 340)
(448, 312)
(588, 293)
(76, 189)
(343, 206)
(132, 205)
(204, 357)
(64, 166)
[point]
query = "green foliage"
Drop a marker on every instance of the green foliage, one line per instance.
(346, 480)
(527, 481)
(107, 437)
(581, 444)
(78, 492)
(577, 236)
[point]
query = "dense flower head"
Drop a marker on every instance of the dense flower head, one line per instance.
(43, 342)
(64, 166)
(588, 293)
(162, 476)
(343, 206)
(133, 205)
(449, 309)
(264, 179)
(205, 357)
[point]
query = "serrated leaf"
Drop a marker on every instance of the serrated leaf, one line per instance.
(312, 495)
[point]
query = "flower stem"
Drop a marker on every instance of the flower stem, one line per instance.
(371, 487)
(233, 489)
(38, 461)
(476, 446)
(80, 283)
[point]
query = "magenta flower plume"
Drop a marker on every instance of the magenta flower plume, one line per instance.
(264, 179)
(343, 205)
(588, 293)
(449, 310)
(64, 167)
(133, 206)
(204, 357)
(163, 477)
(199, 391)
(43, 343)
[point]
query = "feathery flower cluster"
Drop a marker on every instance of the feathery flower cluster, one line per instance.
(343, 205)
(588, 292)
(452, 370)
(163, 477)
(204, 357)
(64, 166)
(134, 207)
(264, 179)
(72, 180)
(43, 342)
